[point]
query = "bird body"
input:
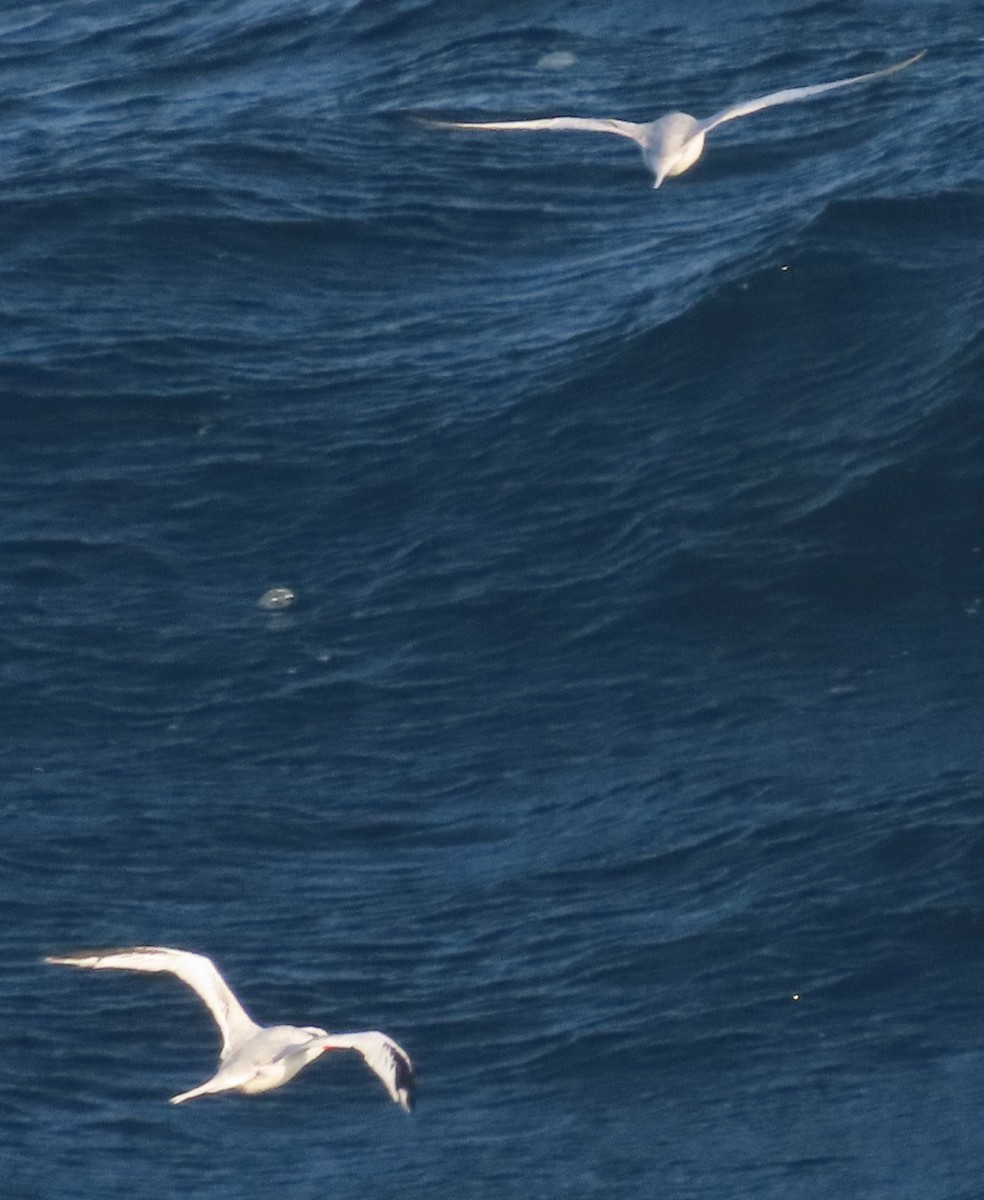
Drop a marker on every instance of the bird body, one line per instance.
(673, 143)
(254, 1058)
(268, 1059)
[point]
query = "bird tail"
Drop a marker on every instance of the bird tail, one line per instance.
(204, 1089)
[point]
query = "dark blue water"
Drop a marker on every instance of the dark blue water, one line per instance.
(622, 753)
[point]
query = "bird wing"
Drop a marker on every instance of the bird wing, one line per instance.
(197, 971)
(384, 1056)
(790, 95)
(585, 124)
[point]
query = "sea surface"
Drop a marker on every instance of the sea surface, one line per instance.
(621, 752)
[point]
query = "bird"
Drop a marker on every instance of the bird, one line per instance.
(674, 142)
(254, 1058)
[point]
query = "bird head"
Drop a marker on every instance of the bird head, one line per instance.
(672, 145)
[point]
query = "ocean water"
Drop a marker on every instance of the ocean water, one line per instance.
(621, 753)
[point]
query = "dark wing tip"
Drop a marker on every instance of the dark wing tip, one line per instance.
(404, 1083)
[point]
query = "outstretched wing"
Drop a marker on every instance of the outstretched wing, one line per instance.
(197, 971)
(583, 124)
(384, 1056)
(791, 95)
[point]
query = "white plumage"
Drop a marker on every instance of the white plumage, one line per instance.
(672, 144)
(253, 1058)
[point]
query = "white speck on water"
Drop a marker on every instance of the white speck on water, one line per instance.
(276, 598)
(556, 60)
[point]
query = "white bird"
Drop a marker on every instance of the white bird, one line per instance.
(672, 144)
(254, 1058)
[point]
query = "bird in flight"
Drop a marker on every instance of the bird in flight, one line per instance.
(254, 1058)
(672, 144)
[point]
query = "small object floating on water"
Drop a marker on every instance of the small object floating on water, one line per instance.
(254, 1058)
(276, 598)
(556, 60)
(672, 144)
